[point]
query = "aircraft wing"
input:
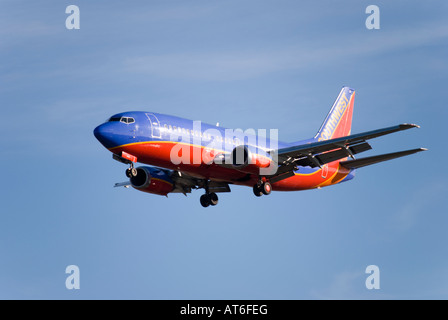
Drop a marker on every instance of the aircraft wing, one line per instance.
(316, 154)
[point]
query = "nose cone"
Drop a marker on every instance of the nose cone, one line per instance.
(106, 135)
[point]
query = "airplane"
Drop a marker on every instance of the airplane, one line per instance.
(180, 155)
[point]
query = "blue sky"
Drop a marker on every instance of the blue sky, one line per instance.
(246, 64)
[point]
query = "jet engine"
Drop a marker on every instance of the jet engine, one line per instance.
(152, 180)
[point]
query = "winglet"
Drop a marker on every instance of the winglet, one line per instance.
(405, 126)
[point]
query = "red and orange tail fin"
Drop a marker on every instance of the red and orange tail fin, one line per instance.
(338, 122)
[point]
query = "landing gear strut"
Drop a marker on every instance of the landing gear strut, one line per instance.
(131, 172)
(208, 199)
(262, 188)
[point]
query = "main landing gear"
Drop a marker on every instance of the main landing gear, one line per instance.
(262, 188)
(209, 199)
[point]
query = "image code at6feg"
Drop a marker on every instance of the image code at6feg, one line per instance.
(229, 309)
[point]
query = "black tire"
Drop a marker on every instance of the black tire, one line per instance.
(266, 188)
(128, 173)
(205, 200)
(133, 172)
(257, 191)
(213, 198)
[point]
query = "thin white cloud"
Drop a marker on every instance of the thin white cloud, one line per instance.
(173, 13)
(20, 30)
(407, 217)
(243, 64)
(343, 286)
(348, 285)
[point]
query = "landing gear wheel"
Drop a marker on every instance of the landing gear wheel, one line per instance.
(257, 191)
(131, 172)
(205, 200)
(266, 188)
(213, 199)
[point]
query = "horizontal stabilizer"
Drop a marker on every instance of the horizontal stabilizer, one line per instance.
(359, 163)
(123, 184)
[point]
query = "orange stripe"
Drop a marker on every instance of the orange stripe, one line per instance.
(184, 143)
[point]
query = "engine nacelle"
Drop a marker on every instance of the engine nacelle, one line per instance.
(243, 159)
(152, 180)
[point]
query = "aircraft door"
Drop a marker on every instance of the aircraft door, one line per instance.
(155, 125)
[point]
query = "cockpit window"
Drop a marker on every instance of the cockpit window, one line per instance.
(126, 120)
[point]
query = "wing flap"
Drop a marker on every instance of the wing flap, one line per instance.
(361, 147)
(215, 186)
(330, 156)
(359, 163)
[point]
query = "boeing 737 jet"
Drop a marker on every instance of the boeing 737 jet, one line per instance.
(181, 155)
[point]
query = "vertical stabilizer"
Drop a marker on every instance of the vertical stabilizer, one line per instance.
(338, 122)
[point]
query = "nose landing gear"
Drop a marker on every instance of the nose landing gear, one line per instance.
(127, 158)
(131, 172)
